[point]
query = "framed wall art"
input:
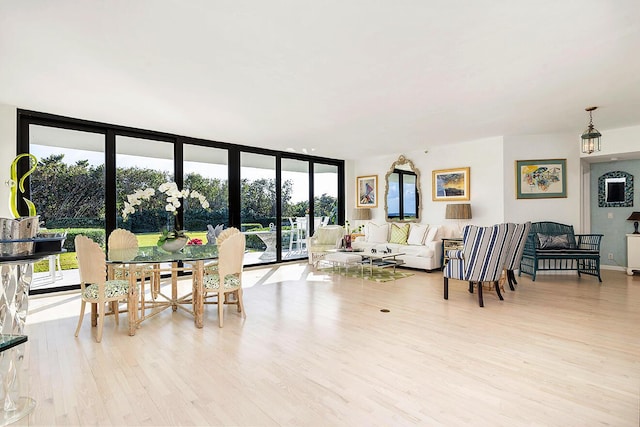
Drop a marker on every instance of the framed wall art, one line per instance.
(367, 191)
(451, 184)
(541, 179)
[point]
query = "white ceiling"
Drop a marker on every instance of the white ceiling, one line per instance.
(337, 76)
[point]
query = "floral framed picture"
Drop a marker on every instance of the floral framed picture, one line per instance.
(451, 184)
(367, 191)
(541, 179)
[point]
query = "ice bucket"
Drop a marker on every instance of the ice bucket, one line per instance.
(16, 235)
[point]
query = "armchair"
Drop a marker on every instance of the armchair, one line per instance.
(515, 251)
(481, 259)
(324, 238)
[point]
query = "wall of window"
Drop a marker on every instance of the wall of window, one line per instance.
(93, 166)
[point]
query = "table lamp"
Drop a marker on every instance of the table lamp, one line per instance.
(458, 211)
(635, 216)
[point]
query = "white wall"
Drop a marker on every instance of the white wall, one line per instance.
(532, 147)
(484, 157)
(615, 142)
(8, 131)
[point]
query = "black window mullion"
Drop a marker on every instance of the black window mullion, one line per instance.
(110, 182)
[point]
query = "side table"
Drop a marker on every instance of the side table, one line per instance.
(633, 254)
(16, 273)
(449, 243)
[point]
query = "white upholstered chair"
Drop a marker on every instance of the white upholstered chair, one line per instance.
(324, 238)
(94, 286)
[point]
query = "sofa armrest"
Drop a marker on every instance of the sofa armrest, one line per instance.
(436, 247)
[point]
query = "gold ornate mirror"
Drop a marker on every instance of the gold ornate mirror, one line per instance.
(402, 192)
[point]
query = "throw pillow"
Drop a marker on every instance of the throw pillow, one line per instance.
(416, 234)
(377, 233)
(399, 234)
(431, 234)
(560, 241)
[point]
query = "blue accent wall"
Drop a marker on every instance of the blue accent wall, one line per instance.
(614, 229)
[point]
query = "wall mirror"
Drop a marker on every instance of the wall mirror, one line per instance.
(402, 192)
(615, 189)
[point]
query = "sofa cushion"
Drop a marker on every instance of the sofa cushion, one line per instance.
(559, 241)
(377, 233)
(399, 234)
(417, 234)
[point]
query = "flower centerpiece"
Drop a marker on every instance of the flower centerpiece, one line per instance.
(170, 240)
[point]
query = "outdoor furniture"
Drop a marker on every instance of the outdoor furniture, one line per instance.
(554, 246)
(481, 259)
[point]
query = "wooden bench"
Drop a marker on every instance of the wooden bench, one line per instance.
(554, 246)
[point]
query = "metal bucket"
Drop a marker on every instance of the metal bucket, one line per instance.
(17, 230)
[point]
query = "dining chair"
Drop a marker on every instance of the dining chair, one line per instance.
(226, 278)
(123, 245)
(481, 259)
(515, 251)
(94, 286)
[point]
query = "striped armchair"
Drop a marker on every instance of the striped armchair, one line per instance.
(515, 251)
(482, 258)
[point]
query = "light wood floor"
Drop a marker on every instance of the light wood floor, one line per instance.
(316, 350)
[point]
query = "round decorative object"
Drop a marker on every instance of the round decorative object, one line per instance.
(174, 245)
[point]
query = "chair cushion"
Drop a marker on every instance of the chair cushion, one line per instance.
(112, 289)
(212, 282)
(399, 234)
(417, 234)
(328, 236)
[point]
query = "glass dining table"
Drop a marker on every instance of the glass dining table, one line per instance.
(156, 261)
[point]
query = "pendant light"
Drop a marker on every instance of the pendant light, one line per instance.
(591, 136)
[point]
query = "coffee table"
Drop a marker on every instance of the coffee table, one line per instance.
(382, 260)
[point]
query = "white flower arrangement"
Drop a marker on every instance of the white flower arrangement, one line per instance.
(173, 196)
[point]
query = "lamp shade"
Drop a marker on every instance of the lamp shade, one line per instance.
(361, 214)
(458, 211)
(635, 216)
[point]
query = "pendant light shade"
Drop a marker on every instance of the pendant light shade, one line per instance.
(591, 136)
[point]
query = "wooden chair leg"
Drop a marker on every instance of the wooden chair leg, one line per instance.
(115, 307)
(83, 305)
(497, 285)
(101, 313)
(510, 279)
(480, 300)
(470, 287)
(220, 309)
(241, 304)
(513, 277)
(446, 288)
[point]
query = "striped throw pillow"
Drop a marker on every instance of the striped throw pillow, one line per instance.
(399, 234)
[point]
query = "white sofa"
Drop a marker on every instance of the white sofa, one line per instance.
(422, 245)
